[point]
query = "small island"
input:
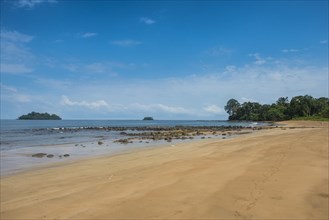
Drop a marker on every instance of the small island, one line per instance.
(148, 119)
(39, 116)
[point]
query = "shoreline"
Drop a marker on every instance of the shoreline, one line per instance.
(44, 162)
(248, 176)
(49, 162)
(20, 159)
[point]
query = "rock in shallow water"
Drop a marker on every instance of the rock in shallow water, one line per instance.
(39, 155)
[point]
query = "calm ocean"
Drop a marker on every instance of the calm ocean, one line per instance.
(29, 133)
(20, 139)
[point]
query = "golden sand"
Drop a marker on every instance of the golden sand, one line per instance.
(281, 173)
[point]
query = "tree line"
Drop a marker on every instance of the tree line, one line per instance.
(282, 109)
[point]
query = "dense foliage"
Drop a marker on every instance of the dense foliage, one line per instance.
(283, 109)
(148, 118)
(39, 116)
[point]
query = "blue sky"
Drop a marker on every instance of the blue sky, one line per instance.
(166, 59)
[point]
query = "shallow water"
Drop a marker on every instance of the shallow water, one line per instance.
(32, 133)
(21, 139)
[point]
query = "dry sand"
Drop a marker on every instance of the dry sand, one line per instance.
(281, 173)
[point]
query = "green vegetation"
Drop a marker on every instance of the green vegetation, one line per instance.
(300, 107)
(148, 119)
(39, 116)
(311, 118)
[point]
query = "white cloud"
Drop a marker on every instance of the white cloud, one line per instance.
(259, 60)
(146, 20)
(72, 67)
(53, 83)
(12, 94)
(201, 96)
(97, 67)
(126, 43)
(244, 99)
(15, 56)
(294, 50)
(91, 105)
(198, 96)
(160, 108)
(58, 41)
(32, 3)
(136, 107)
(15, 52)
(219, 51)
(14, 68)
(290, 50)
(88, 35)
(276, 76)
(230, 68)
(324, 42)
(8, 88)
(15, 36)
(22, 98)
(214, 109)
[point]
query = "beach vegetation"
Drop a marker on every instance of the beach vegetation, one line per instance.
(312, 118)
(298, 107)
(39, 116)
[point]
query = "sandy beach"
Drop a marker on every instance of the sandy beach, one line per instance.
(279, 173)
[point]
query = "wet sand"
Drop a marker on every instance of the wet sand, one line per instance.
(279, 173)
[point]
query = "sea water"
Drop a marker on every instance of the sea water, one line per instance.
(20, 139)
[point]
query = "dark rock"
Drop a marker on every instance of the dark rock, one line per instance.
(39, 155)
(50, 155)
(122, 141)
(66, 155)
(100, 143)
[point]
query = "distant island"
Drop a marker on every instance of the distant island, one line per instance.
(148, 119)
(39, 116)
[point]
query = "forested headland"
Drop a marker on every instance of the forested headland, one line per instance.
(305, 107)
